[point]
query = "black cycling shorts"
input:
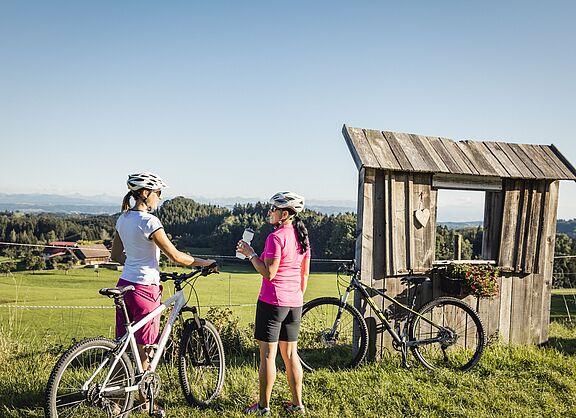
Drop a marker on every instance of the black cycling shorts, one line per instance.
(277, 323)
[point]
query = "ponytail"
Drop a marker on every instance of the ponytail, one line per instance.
(301, 233)
(126, 201)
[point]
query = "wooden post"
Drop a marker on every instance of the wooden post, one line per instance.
(457, 247)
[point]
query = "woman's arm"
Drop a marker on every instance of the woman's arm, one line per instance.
(163, 242)
(304, 273)
(117, 253)
(267, 267)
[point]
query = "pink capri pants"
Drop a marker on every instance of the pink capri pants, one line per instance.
(140, 302)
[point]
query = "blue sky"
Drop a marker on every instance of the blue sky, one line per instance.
(246, 98)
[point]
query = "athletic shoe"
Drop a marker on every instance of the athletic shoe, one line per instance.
(257, 410)
(297, 409)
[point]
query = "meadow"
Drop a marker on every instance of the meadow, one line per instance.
(509, 381)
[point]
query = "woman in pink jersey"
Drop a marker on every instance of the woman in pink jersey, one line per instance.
(284, 266)
(139, 238)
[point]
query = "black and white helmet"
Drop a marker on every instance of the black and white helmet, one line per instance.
(288, 200)
(145, 180)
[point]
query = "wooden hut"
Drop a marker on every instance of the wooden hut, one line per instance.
(399, 175)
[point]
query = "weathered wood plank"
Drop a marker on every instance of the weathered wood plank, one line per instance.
(424, 244)
(401, 239)
(381, 150)
(550, 163)
(423, 151)
(493, 214)
(466, 182)
(524, 210)
(466, 158)
(379, 227)
(389, 209)
(364, 243)
(526, 160)
(508, 234)
(517, 161)
(521, 309)
(537, 302)
(432, 153)
(504, 160)
(443, 153)
(505, 308)
(564, 161)
(547, 250)
(568, 175)
(412, 153)
(398, 151)
(454, 151)
(535, 156)
(483, 150)
(379, 250)
(534, 227)
(476, 159)
(359, 147)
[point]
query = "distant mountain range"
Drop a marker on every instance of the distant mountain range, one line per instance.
(105, 204)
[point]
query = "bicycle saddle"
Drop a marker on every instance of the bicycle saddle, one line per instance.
(415, 279)
(115, 291)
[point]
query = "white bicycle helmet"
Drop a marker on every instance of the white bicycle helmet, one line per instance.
(288, 200)
(145, 180)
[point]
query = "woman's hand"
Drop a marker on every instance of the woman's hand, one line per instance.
(244, 248)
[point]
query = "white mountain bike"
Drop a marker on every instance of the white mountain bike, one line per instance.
(97, 378)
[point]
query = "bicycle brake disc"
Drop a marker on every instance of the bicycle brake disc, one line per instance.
(150, 383)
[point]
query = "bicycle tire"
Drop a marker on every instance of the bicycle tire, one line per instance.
(201, 381)
(317, 349)
(460, 352)
(64, 395)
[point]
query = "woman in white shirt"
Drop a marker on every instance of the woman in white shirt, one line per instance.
(139, 239)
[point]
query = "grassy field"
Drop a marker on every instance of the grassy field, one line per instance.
(510, 381)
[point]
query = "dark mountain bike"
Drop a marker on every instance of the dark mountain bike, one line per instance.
(444, 333)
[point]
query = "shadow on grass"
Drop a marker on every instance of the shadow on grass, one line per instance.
(564, 345)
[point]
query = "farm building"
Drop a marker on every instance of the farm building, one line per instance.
(83, 254)
(93, 254)
(399, 176)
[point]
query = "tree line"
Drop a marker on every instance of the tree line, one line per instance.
(210, 229)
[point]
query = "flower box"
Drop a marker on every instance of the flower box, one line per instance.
(461, 279)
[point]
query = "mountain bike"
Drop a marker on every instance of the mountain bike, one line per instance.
(98, 377)
(444, 333)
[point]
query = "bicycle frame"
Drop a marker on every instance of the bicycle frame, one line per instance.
(129, 339)
(356, 284)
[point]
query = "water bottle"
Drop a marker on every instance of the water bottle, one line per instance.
(247, 238)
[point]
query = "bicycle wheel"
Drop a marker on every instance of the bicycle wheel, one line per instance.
(75, 385)
(459, 336)
(201, 364)
(319, 347)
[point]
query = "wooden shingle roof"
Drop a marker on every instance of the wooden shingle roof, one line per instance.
(395, 151)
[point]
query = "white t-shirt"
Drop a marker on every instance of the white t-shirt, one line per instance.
(142, 254)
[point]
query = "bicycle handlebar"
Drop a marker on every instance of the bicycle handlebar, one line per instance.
(202, 271)
(348, 268)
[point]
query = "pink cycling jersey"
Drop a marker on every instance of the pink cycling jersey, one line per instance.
(285, 288)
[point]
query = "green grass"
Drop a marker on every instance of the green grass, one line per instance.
(510, 381)
(80, 288)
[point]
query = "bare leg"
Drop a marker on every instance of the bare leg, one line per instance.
(288, 351)
(267, 371)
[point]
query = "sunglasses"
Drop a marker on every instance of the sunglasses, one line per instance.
(158, 193)
(273, 208)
